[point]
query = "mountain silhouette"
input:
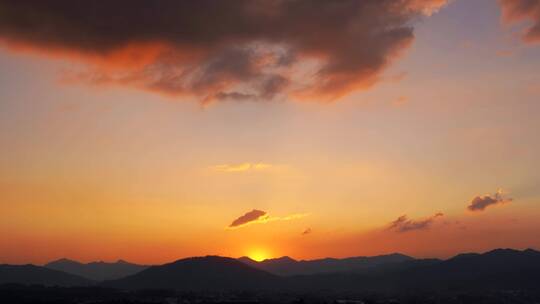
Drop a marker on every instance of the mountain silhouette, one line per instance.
(504, 268)
(287, 266)
(97, 271)
(500, 269)
(31, 274)
(199, 273)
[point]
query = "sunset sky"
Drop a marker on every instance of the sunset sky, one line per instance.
(267, 128)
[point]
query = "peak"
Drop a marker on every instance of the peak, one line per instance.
(246, 259)
(394, 255)
(494, 252)
(502, 251)
(282, 259)
(510, 251)
(63, 261)
(213, 258)
(397, 254)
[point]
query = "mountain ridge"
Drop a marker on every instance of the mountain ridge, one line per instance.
(288, 266)
(29, 274)
(97, 270)
(500, 269)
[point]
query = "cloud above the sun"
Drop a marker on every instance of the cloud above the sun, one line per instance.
(255, 50)
(256, 216)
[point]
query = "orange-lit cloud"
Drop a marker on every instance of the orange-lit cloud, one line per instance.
(261, 217)
(404, 224)
(428, 7)
(523, 10)
(480, 203)
(249, 217)
(243, 167)
(227, 50)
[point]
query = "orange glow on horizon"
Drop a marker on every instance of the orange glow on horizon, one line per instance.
(259, 254)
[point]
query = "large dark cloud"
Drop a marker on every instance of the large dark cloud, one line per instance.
(234, 49)
(524, 10)
(404, 224)
(480, 203)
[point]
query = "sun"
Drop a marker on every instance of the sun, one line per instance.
(258, 254)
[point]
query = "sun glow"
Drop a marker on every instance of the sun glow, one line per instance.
(258, 255)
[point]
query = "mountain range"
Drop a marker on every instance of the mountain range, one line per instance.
(287, 266)
(501, 269)
(96, 271)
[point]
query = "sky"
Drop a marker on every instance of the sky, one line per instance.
(268, 128)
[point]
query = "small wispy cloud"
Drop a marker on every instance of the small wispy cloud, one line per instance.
(404, 224)
(307, 231)
(400, 101)
(480, 203)
(261, 217)
(243, 167)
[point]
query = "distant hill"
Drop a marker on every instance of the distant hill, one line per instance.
(499, 268)
(199, 273)
(97, 271)
(31, 274)
(287, 266)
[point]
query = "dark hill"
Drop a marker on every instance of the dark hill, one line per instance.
(98, 271)
(31, 274)
(500, 268)
(200, 273)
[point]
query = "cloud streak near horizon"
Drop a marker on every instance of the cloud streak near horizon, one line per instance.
(243, 167)
(220, 50)
(261, 217)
